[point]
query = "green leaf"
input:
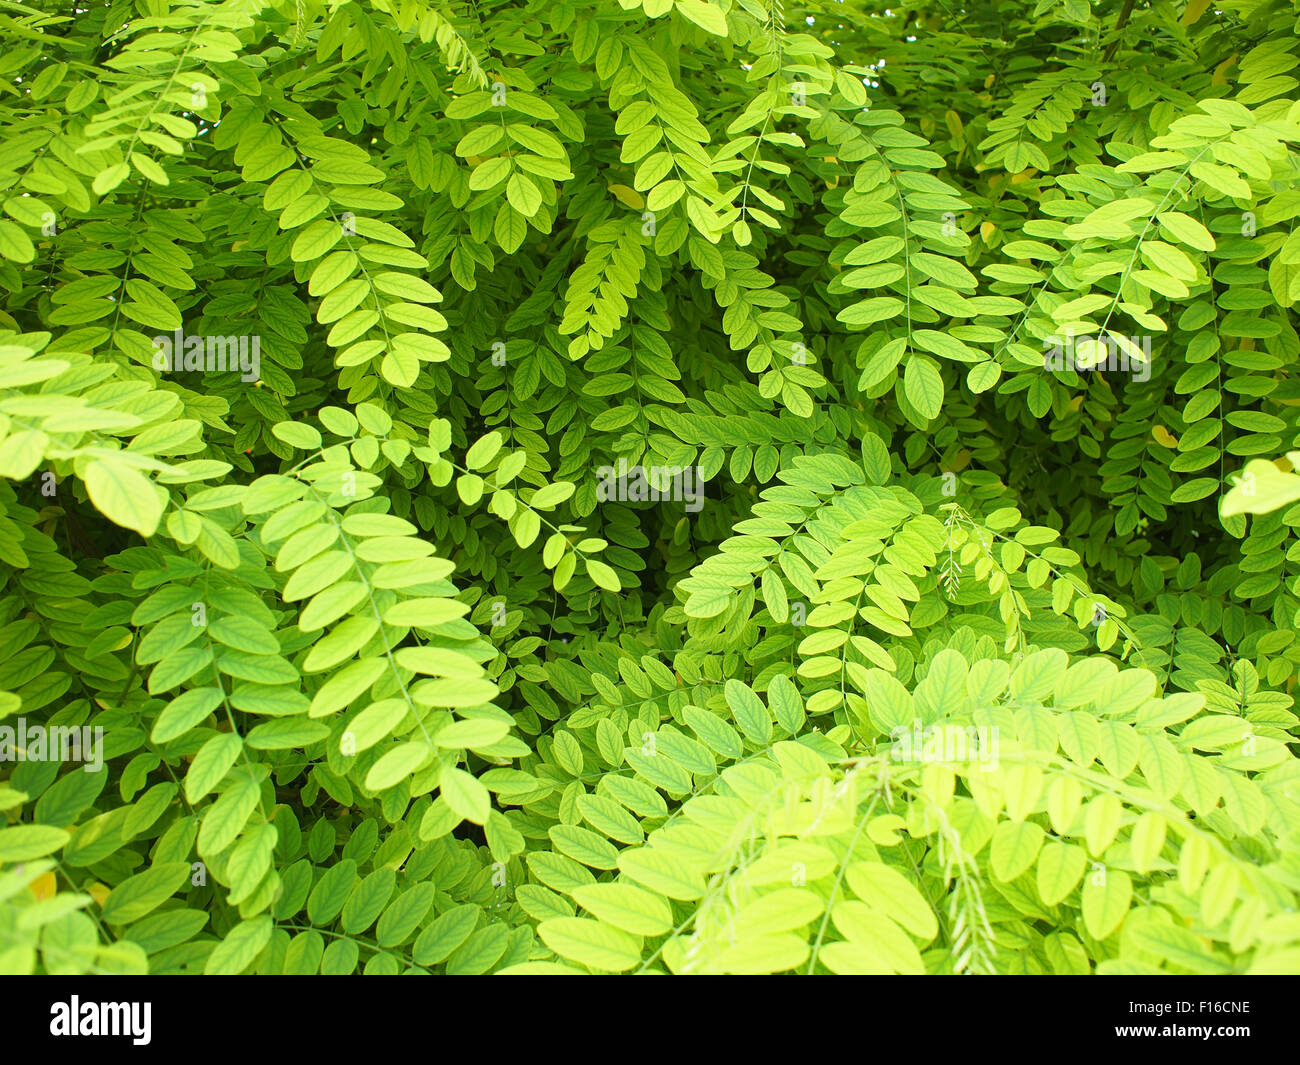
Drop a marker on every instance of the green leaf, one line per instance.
(484, 451)
(924, 386)
(603, 575)
(1015, 846)
(704, 14)
(1260, 489)
(211, 764)
(124, 495)
(597, 945)
(143, 893)
(523, 194)
(445, 934)
(396, 765)
(626, 907)
(465, 795)
(1060, 865)
(240, 947)
(22, 843)
(1106, 897)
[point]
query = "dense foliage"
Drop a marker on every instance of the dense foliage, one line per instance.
(689, 485)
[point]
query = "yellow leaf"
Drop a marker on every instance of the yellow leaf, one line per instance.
(98, 892)
(1164, 437)
(987, 229)
(43, 887)
(628, 196)
(1221, 71)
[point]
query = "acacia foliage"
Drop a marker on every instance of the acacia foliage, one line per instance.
(385, 686)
